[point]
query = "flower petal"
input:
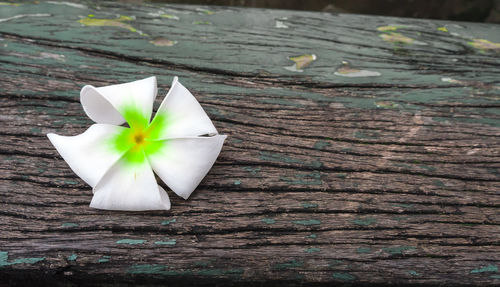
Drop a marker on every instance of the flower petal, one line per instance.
(182, 115)
(89, 154)
(110, 104)
(129, 187)
(184, 162)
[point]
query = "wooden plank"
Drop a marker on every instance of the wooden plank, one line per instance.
(377, 163)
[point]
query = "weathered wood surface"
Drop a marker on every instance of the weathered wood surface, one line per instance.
(324, 178)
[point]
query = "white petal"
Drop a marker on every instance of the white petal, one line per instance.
(184, 162)
(106, 104)
(185, 116)
(89, 154)
(130, 187)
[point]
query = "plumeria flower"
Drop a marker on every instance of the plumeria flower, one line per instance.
(180, 145)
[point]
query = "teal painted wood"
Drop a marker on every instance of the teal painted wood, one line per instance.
(361, 149)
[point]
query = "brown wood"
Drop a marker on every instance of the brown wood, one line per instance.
(392, 179)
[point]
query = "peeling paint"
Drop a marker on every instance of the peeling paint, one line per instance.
(118, 22)
(398, 249)
(343, 276)
(313, 236)
(9, 4)
(386, 105)
(167, 222)
(268, 220)
(346, 71)
(301, 61)
(280, 25)
(307, 222)
(70, 4)
(388, 28)
(309, 205)
(398, 38)
(288, 265)
(104, 259)
(69, 224)
(414, 273)
(4, 256)
(237, 182)
(489, 268)
(163, 42)
(147, 269)
(252, 170)
(169, 16)
(442, 29)
(205, 11)
(24, 15)
(167, 242)
(319, 145)
(72, 257)
(363, 250)
(131, 241)
(365, 222)
(312, 250)
(485, 45)
(313, 178)
(202, 23)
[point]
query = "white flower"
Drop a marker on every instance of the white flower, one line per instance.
(180, 145)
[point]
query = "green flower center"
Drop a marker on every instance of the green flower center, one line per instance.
(142, 138)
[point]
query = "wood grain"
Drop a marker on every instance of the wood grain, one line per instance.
(328, 175)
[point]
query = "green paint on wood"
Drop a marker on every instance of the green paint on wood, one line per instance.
(309, 205)
(343, 276)
(104, 259)
(312, 178)
(414, 273)
(495, 276)
(442, 29)
(252, 170)
(365, 221)
(72, 257)
(167, 222)
(312, 236)
(312, 250)
(167, 242)
(237, 182)
(289, 264)
(268, 220)
(319, 145)
(130, 241)
(308, 222)
(489, 268)
(398, 249)
(147, 269)
(335, 263)
(4, 256)
(276, 157)
(219, 272)
(366, 134)
(362, 250)
(69, 224)
(439, 183)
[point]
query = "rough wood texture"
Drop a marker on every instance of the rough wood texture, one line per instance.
(380, 170)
